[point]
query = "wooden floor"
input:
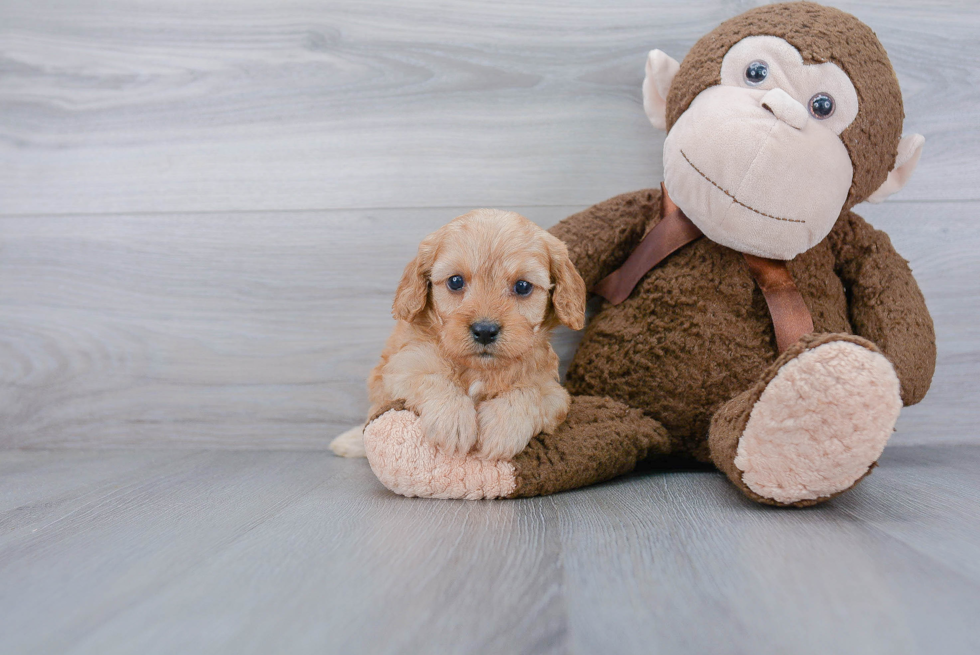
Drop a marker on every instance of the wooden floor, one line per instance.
(204, 210)
(300, 552)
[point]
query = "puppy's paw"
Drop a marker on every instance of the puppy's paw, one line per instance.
(504, 429)
(350, 443)
(451, 424)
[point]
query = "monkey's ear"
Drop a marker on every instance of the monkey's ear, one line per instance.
(413, 290)
(661, 69)
(909, 151)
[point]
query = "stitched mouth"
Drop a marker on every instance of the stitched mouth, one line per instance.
(732, 195)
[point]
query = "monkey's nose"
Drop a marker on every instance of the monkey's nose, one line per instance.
(485, 332)
(785, 108)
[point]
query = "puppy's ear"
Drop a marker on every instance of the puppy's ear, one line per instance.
(413, 290)
(568, 292)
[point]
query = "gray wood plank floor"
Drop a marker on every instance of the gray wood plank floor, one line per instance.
(204, 209)
(301, 552)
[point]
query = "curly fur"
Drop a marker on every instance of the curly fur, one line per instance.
(493, 397)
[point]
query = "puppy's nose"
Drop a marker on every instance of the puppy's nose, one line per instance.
(485, 332)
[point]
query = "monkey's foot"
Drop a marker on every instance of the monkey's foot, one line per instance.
(600, 439)
(405, 462)
(813, 426)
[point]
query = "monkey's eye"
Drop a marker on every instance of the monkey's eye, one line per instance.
(756, 73)
(523, 287)
(455, 283)
(821, 106)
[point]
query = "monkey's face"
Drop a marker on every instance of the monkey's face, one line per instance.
(757, 162)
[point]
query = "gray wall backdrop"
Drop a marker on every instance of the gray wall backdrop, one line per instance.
(205, 204)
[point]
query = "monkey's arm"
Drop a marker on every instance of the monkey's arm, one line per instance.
(600, 238)
(885, 304)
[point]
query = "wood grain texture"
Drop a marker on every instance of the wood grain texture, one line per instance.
(204, 207)
(184, 106)
(204, 210)
(259, 329)
(237, 330)
(248, 552)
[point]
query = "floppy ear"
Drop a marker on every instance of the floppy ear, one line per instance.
(568, 290)
(660, 72)
(909, 151)
(413, 290)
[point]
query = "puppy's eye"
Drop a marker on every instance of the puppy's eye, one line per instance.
(455, 283)
(523, 287)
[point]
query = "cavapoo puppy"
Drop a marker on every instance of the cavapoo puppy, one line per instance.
(470, 352)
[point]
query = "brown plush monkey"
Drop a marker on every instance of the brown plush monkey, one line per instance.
(781, 344)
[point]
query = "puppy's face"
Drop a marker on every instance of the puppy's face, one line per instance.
(491, 281)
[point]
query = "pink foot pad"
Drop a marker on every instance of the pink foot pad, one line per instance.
(819, 424)
(408, 464)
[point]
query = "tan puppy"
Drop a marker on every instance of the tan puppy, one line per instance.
(470, 352)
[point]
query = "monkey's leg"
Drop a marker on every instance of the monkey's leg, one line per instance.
(600, 439)
(814, 424)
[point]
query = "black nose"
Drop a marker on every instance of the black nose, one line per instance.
(485, 332)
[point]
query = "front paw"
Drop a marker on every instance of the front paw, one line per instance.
(450, 425)
(504, 429)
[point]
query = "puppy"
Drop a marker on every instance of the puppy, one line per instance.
(470, 352)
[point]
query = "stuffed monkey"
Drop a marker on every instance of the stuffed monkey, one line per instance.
(751, 320)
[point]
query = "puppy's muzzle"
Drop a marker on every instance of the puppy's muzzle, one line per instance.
(485, 332)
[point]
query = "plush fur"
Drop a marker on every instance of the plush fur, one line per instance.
(793, 449)
(398, 449)
(664, 352)
(820, 34)
(689, 366)
(599, 439)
